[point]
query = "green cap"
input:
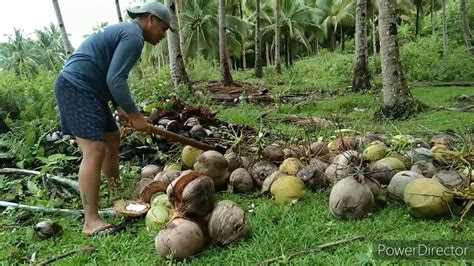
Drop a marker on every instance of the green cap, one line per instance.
(156, 9)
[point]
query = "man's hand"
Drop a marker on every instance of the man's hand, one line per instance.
(139, 122)
(123, 116)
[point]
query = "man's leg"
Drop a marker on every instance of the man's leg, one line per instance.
(110, 164)
(93, 153)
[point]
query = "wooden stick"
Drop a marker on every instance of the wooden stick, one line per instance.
(61, 180)
(78, 213)
(315, 249)
(87, 250)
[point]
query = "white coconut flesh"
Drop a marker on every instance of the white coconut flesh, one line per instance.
(135, 207)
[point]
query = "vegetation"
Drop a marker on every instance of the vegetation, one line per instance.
(318, 47)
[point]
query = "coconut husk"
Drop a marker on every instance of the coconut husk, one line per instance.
(121, 208)
(147, 187)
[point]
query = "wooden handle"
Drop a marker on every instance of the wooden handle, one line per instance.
(176, 137)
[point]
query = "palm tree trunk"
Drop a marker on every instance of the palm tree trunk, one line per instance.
(223, 50)
(277, 38)
(432, 17)
(244, 59)
(445, 29)
(119, 12)
(317, 46)
(361, 77)
(342, 40)
(178, 71)
(395, 89)
(267, 53)
(374, 34)
(417, 25)
(287, 59)
(258, 47)
(465, 26)
(179, 10)
(67, 44)
(333, 41)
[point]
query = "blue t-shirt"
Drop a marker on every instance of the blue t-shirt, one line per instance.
(102, 62)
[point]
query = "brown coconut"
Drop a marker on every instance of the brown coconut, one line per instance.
(241, 181)
(396, 187)
(146, 187)
(318, 149)
(267, 183)
(350, 199)
(150, 171)
(180, 239)
(313, 175)
(228, 223)
(380, 195)
(451, 179)
(167, 176)
(294, 152)
(383, 170)
(427, 169)
(214, 165)
(261, 170)
(192, 195)
(233, 161)
(342, 144)
(273, 154)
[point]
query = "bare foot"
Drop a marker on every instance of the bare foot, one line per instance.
(92, 226)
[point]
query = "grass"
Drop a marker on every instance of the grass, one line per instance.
(276, 230)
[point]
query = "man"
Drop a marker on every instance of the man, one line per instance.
(95, 74)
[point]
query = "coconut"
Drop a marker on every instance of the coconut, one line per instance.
(291, 166)
(228, 223)
(150, 171)
(294, 152)
(468, 173)
(47, 229)
(321, 163)
(402, 140)
(335, 172)
(167, 176)
(241, 181)
(443, 140)
(368, 138)
(427, 198)
(160, 199)
(287, 189)
(342, 144)
(146, 187)
(419, 154)
(214, 165)
(375, 151)
(157, 217)
(172, 167)
(313, 175)
(192, 195)
(399, 181)
(273, 154)
(383, 170)
(318, 148)
(198, 132)
(245, 162)
(189, 155)
(348, 158)
(444, 156)
(427, 169)
(350, 199)
(191, 122)
(451, 179)
(380, 195)
(267, 183)
(233, 161)
(180, 239)
(131, 208)
(420, 143)
(261, 170)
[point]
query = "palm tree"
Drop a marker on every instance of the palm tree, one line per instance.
(18, 55)
(334, 13)
(49, 47)
(258, 47)
(119, 12)
(179, 10)
(223, 49)
(277, 38)
(178, 70)
(445, 28)
(419, 11)
(67, 44)
(361, 77)
(397, 98)
(463, 10)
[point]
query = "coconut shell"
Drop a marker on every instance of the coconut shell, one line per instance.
(121, 207)
(241, 181)
(291, 166)
(383, 170)
(180, 238)
(146, 187)
(193, 195)
(350, 199)
(287, 189)
(157, 217)
(47, 229)
(427, 169)
(233, 161)
(150, 171)
(273, 154)
(398, 183)
(228, 223)
(261, 170)
(427, 198)
(313, 175)
(267, 183)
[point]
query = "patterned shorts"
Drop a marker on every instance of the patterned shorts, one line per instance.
(82, 114)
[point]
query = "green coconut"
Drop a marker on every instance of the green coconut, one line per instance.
(427, 198)
(291, 166)
(287, 189)
(402, 140)
(375, 151)
(160, 199)
(157, 217)
(172, 167)
(398, 183)
(189, 155)
(383, 169)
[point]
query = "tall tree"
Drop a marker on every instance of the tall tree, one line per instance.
(432, 17)
(463, 10)
(178, 71)
(119, 12)
(397, 99)
(223, 49)
(361, 77)
(179, 10)
(419, 12)
(67, 44)
(445, 28)
(277, 38)
(258, 46)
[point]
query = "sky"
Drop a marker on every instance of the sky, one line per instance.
(79, 16)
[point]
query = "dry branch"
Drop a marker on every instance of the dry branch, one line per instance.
(60, 180)
(78, 213)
